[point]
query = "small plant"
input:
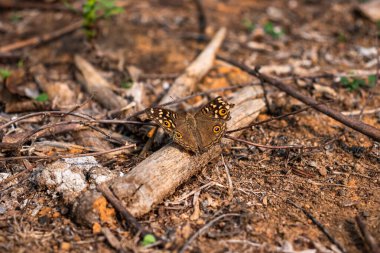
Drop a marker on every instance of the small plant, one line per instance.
(4, 73)
(126, 84)
(93, 10)
(15, 17)
(148, 240)
(43, 97)
(342, 37)
(274, 31)
(355, 83)
(248, 24)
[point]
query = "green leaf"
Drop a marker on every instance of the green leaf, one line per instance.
(148, 240)
(126, 85)
(344, 80)
(273, 31)
(43, 97)
(372, 80)
(4, 73)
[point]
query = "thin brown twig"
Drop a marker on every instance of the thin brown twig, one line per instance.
(116, 203)
(45, 113)
(267, 146)
(41, 38)
(14, 158)
(318, 224)
(204, 228)
(202, 21)
(359, 126)
(268, 120)
(85, 123)
(368, 238)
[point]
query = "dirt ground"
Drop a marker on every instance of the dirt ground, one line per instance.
(323, 48)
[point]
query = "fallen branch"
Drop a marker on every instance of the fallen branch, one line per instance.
(155, 178)
(42, 38)
(161, 173)
(359, 126)
(97, 86)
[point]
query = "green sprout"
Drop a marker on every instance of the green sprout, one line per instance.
(248, 24)
(126, 84)
(4, 73)
(93, 10)
(355, 83)
(148, 240)
(43, 97)
(15, 17)
(275, 32)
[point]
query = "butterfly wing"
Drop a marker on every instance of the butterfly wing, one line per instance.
(176, 125)
(211, 122)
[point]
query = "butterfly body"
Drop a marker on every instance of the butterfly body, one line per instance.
(194, 131)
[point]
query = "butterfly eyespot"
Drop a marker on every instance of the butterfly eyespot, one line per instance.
(216, 129)
(178, 135)
(222, 112)
(167, 123)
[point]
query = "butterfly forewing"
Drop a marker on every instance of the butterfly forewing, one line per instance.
(177, 125)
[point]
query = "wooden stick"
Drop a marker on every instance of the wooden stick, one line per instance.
(160, 174)
(359, 126)
(99, 87)
(41, 39)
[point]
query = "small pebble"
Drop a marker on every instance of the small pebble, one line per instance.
(3, 209)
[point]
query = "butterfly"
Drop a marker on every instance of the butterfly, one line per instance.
(197, 131)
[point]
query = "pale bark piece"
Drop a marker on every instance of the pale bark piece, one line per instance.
(371, 10)
(59, 93)
(99, 87)
(185, 84)
(161, 173)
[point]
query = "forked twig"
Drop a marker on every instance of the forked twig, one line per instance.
(204, 228)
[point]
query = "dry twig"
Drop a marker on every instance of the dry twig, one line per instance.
(359, 126)
(204, 228)
(368, 238)
(42, 38)
(319, 225)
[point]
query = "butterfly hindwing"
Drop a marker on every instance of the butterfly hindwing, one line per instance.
(211, 122)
